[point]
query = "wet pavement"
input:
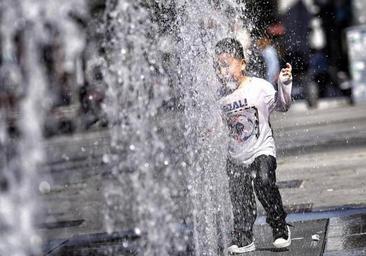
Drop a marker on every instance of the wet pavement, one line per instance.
(128, 243)
(337, 236)
(346, 236)
(118, 243)
(302, 239)
(324, 180)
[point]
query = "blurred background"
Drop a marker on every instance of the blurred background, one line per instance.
(321, 38)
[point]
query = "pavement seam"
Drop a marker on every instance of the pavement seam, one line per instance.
(325, 237)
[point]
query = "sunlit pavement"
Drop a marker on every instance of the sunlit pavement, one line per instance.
(340, 236)
(322, 158)
(322, 169)
(308, 239)
(321, 174)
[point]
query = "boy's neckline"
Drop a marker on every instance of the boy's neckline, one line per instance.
(245, 82)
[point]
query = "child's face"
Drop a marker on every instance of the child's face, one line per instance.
(228, 68)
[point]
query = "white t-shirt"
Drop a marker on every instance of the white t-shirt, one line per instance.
(247, 113)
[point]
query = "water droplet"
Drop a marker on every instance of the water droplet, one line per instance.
(137, 231)
(44, 187)
(65, 157)
(36, 240)
(106, 159)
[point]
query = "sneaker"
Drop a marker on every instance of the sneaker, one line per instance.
(282, 237)
(234, 249)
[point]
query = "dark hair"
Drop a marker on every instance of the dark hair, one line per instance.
(230, 46)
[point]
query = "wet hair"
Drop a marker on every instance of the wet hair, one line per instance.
(230, 46)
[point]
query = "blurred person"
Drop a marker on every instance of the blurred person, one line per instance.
(319, 71)
(12, 88)
(336, 16)
(247, 103)
(59, 79)
(297, 44)
(92, 95)
(270, 56)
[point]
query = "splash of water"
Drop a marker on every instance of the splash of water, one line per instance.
(205, 134)
(169, 146)
(143, 167)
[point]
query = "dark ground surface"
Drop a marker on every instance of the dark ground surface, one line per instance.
(128, 244)
(346, 236)
(337, 236)
(321, 174)
(302, 242)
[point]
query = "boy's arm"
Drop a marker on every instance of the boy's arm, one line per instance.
(283, 99)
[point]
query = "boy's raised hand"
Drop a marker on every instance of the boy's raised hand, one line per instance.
(286, 74)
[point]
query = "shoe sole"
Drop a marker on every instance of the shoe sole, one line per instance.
(287, 243)
(284, 245)
(240, 250)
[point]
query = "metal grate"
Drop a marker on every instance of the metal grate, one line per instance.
(289, 184)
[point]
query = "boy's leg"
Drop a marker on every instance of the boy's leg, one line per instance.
(267, 191)
(243, 202)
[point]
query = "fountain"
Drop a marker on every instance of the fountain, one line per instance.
(165, 177)
(27, 30)
(163, 97)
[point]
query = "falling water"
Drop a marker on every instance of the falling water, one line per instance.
(168, 143)
(143, 165)
(204, 25)
(25, 33)
(166, 177)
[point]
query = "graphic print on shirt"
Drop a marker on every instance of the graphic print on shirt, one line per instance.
(243, 124)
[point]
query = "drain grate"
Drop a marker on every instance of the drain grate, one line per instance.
(289, 184)
(299, 208)
(61, 224)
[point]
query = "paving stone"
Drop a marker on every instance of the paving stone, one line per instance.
(347, 236)
(321, 165)
(128, 244)
(302, 242)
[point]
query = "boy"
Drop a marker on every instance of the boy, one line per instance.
(247, 103)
